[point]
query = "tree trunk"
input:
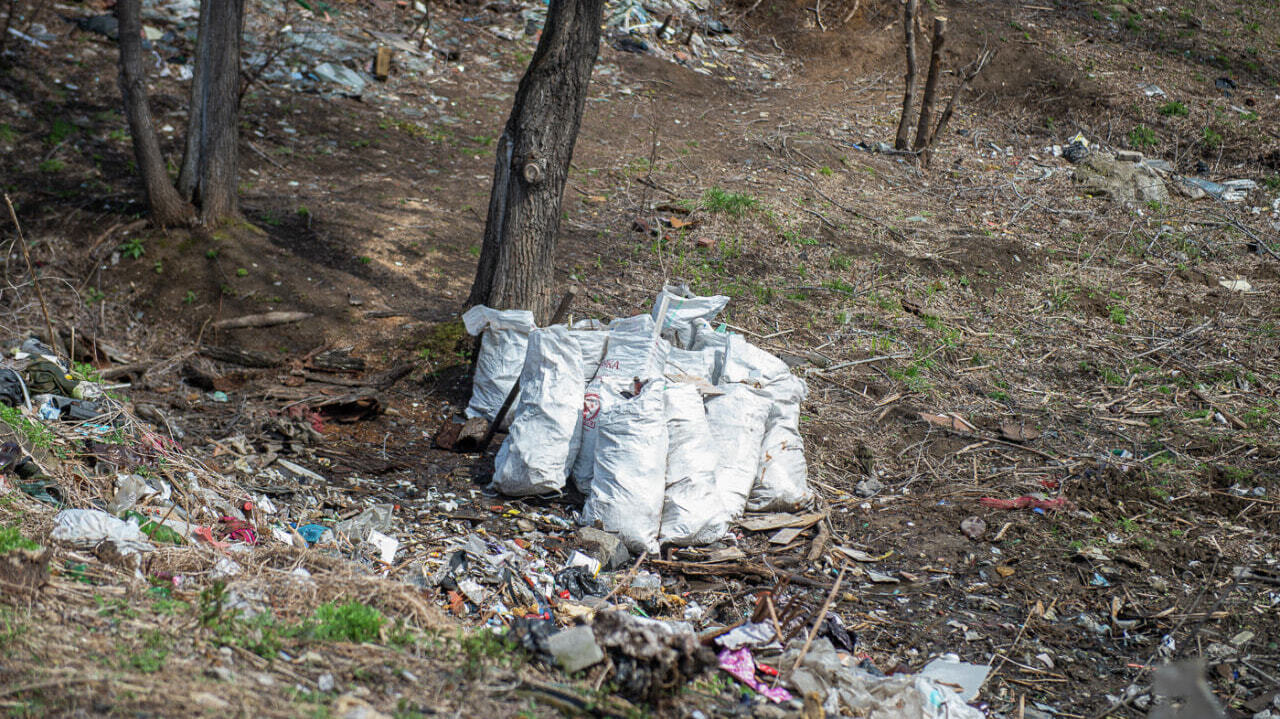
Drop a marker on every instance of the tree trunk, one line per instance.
(167, 206)
(191, 156)
(924, 131)
(903, 141)
(215, 111)
(517, 259)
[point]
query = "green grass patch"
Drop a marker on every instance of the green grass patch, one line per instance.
(11, 538)
(735, 204)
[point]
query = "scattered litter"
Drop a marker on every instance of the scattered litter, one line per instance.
(961, 677)
(1237, 285)
(740, 664)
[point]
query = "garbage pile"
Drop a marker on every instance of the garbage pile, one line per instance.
(669, 426)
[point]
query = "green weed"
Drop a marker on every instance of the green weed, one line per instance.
(351, 622)
(1142, 138)
(1173, 109)
(132, 248)
(730, 203)
(11, 538)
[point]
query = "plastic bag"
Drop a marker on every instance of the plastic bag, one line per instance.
(502, 348)
(737, 420)
(537, 454)
(634, 350)
(592, 336)
(86, 528)
(706, 339)
(692, 511)
(696, 366)
(682, 308)
(783, 484)
(630, 469)
(744, 362)
(595, 403)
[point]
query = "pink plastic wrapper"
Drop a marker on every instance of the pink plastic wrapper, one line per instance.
(1024, 502)
(742, 666)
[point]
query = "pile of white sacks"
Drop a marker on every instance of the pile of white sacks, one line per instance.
(669, 427)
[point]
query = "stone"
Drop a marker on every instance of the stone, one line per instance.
(341, 75)
(605, 547)
(868, 487)
(1128, 156)
(210, 701)
(1133, 182)
(575, 648)
(325, 682)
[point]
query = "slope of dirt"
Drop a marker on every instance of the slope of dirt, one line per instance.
(1087, 348)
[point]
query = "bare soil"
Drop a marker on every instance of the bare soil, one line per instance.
(990, 286)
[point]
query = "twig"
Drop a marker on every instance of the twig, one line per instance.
(822, 615)
(48, 324)
(867, 360)
(630, 576)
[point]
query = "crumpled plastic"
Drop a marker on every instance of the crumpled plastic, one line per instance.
(87, 528)
(740, 664)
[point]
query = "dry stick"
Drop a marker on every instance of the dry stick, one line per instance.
(826, 606)
(849, 15)
(909, 93)
(630, 577)
(980, 62)
(923, 130)
(31, 270)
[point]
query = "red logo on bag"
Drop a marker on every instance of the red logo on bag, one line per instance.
(590, 409)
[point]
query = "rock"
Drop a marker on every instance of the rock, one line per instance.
(349, 706)
(210, 702)
(868, 487)
(575, 648)
(973, 527)
(605, 547)
(1128, 156)
(325, 682)
(1102, 174)
(341, 75)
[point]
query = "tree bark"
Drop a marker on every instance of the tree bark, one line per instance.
(517, 258)
(903, 141)
(924, 134)
(167, 206)
(187, 174)
(215, 111)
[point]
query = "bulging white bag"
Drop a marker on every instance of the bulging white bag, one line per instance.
(595, 403)
(630, 469)
(706, 339)
(744, 362)
(634, 350)
(783, 483)
(592, 336)
(692, 511)
(538, 452)
(696, 366)
(682, 308)
(737, 420)
(502, 348)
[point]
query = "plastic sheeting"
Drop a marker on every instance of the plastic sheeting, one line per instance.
(502, 350)
(86, 528)
(630, 469)
(692, 511)
(540, 448)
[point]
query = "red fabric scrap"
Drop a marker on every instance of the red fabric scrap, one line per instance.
(1024, 502)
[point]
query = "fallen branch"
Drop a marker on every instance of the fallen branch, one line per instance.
(266, 319)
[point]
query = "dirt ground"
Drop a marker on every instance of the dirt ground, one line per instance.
(976, 329)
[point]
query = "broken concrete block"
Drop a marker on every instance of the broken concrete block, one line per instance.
(605, 547)
(575, 648)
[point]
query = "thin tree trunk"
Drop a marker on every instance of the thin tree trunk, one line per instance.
(924, 130)
(187, 175)
(167, 206)
(903, 141)
(215, 114)
(971, 72)
(517, 259)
